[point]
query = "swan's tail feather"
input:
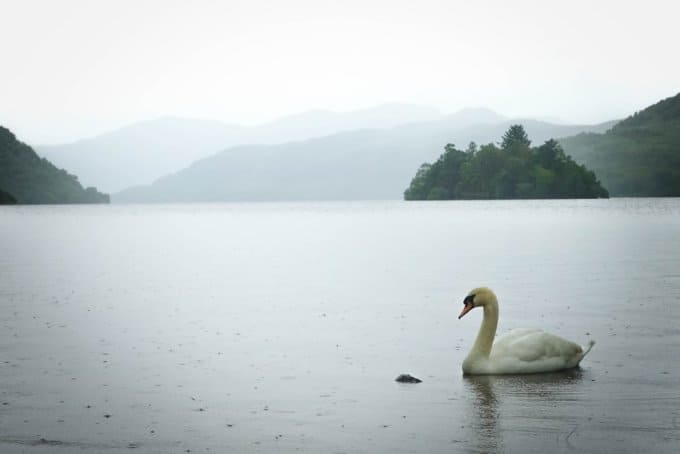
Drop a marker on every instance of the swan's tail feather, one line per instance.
(586, 348)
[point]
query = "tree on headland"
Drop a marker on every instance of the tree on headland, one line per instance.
(513, 170)
(472, 148)
(515, 136)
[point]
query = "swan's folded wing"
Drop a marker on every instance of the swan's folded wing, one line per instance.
(533, 345)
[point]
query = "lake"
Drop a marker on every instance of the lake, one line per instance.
(281, 327)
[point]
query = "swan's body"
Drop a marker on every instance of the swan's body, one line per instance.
(521, 351)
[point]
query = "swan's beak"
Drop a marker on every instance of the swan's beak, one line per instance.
(467, 308)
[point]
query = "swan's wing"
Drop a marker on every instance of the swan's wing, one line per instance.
(531, 345)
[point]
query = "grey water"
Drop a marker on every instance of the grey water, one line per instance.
(281, 327)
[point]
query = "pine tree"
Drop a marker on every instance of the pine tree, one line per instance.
(515, 137)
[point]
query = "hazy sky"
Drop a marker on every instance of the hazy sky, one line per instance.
(74, 68)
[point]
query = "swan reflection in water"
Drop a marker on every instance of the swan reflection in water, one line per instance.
(506, 409)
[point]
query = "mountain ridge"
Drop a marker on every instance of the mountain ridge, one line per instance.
(144, 151)
(353, 165)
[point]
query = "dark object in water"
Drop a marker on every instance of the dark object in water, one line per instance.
(406, 378)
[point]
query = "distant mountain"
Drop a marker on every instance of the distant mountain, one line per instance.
(142, 152)
(319, 123)
(27, 178)
(639, 156)
(356, 165)
(466, 118)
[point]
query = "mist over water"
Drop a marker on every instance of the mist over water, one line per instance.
(281, 327)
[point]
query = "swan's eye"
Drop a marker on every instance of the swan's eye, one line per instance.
(469, 299)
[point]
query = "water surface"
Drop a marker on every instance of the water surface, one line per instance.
(281, 327)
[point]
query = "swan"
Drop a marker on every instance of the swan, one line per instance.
(521, 351)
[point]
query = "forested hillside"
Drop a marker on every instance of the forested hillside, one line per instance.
(28, 178)
(6, 198)
(639, 156)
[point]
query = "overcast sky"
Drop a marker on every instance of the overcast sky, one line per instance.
(75, 68)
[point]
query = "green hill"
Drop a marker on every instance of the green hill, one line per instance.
(515, 170)
(639, 156)
(28, 178)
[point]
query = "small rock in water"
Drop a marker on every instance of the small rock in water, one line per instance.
(407, 378)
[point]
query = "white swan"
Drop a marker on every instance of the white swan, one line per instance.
(521, 351)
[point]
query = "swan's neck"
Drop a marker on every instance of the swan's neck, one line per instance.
(487, 331)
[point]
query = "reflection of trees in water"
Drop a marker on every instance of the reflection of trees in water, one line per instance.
(490, 393)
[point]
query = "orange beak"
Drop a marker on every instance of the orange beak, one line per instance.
(468, 307)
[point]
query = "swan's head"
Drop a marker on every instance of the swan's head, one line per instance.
(477, 297)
